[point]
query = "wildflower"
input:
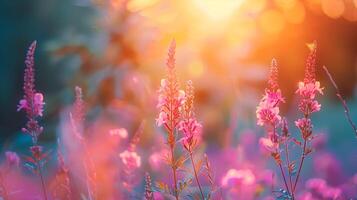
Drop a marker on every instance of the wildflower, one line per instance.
(267, 115)
(305, 127)
(189, 126)
(130, 159)
(309, 87)
(268, 109)
(32, 102)
(309, 90)
(12, 158)
(170, 97)
(121, 132)
(233, 176)
(308, 105)
(170, 101)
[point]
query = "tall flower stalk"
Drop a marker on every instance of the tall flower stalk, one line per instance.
(307, 90)
(268, 116)
(77, 117)
(169, 103)
(32, 103)
(191, 129)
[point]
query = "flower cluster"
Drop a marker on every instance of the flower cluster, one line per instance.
(309, 87)
(170, 97)
(177, 113)
(32, 102)
(189, 125)
(268, 110)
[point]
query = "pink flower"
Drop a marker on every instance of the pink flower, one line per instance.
(36, 108)
(191, 130)
(130, 159)
(189, 125)
(309, 90)
(308, 106)
(38, 104)
(12, 158)
(305, 126)
(121, 132)
(22, 105)
(268, 109)
(267, 114)
(235, 177)
(273, 97)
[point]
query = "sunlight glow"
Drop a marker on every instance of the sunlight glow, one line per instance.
(218, 9)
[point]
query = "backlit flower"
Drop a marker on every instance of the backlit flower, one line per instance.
(267, 111)
(170, 98)
(189, 125)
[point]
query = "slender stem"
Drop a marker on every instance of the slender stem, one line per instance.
(301, 164)
(42, 180)
(279, 163)
(174, 171)
(285, 182)
(288, 162)
(194, 169)
(343, 101)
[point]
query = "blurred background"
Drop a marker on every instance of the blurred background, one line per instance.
(116, 51)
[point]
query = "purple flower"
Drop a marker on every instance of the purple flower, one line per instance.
(32, 102)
